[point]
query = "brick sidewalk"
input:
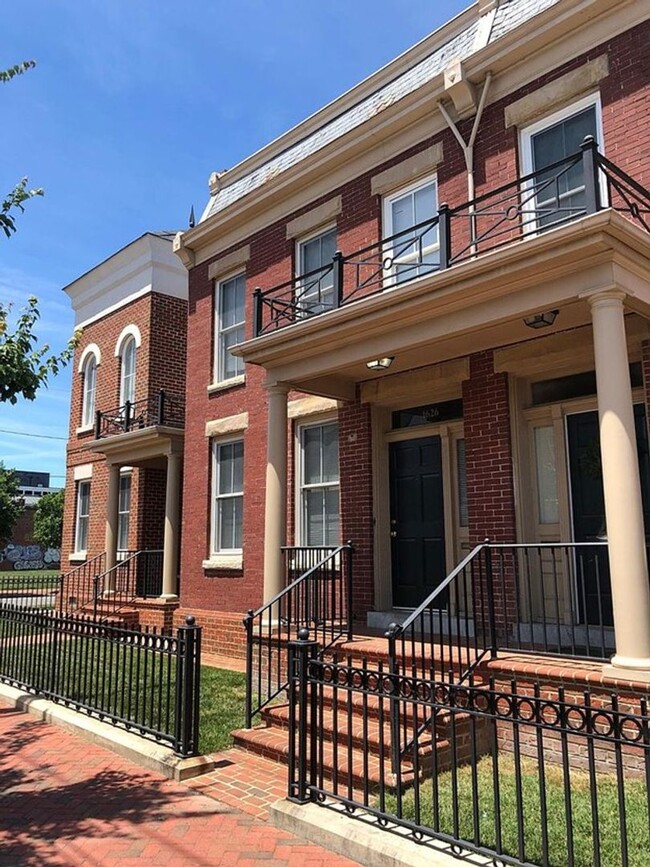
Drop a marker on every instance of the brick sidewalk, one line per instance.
(64, 801)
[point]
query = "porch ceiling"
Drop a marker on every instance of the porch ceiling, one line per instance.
(148, 447)
(478, 305)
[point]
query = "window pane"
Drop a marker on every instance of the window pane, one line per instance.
(402, 213)
(331, 518)
(128, 371)
(231, 365)
(330, 453)
(225, 468)
(311, 444)
(89, 379)
(546, 475)
(238, 466)
(232, 295)
(313, 516)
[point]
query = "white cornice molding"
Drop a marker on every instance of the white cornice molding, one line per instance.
(144, 266)
(568, 28)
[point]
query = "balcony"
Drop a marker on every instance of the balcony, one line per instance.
(575, 187)
(160, 410)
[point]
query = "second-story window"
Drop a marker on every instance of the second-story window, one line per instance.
(560, 190)
(89, 382)
(409, 222)
(127, 371)
(230, 327)
(315, 287)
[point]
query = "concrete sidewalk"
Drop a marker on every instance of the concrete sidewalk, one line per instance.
(68, 802)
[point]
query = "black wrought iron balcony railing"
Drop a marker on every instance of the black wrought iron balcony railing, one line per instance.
(161, 409)
(576, 186)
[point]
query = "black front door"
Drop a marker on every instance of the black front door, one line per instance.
(588, 505)
(417, 520)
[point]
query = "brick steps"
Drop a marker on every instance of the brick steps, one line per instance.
(335, 727)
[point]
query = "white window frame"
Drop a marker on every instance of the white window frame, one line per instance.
(300, 243)
(527, 133)
(79, 517)
(124, 516)
(218, 372)
(88, 395)
(388, 229)
(129, 341)
(216, 552)
(301, 530)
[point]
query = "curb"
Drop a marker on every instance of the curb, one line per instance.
(362, 839)
(147, 754)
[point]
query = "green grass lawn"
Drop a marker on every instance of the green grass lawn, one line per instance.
(222, 707)
(636, 800)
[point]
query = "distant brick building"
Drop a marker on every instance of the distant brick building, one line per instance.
(124, 454)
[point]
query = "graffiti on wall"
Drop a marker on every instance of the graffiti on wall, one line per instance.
(30, 557)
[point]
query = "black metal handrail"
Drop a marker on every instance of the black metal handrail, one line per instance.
(518, 774)
(78, 585)
(320, 598)
(161, 409)
(144, 681)
(512, 212)
(136, 576)
(548, 598)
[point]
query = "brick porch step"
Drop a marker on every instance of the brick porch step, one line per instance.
(370, 733)
(354, 767)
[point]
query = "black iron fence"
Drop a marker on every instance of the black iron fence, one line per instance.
(581, 184)
(162, 409)
(146, 682)
(30, 589)
(319, 596)
(506, 771)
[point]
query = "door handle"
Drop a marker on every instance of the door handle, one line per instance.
(393, 534)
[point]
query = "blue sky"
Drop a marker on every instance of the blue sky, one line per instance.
(132, 105)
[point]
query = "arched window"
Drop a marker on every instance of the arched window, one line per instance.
(88, 363)
(127, 371)
(89, 381)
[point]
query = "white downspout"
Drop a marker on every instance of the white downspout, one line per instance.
(468, 150)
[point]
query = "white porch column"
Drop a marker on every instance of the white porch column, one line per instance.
(112, 507)
(172, 527)
(275, 513)
(622, 487)
(112, 503)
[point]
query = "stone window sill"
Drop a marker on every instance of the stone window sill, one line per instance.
(216, 387)
(84, 429)
(223, 561)
(78, 557)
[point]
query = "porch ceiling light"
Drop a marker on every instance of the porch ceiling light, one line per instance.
(380, 363)
(541, 320)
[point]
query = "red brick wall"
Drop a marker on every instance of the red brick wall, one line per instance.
(355, 457)
(487, 423)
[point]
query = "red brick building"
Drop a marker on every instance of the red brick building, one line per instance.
(438, 290)
(124, 455)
